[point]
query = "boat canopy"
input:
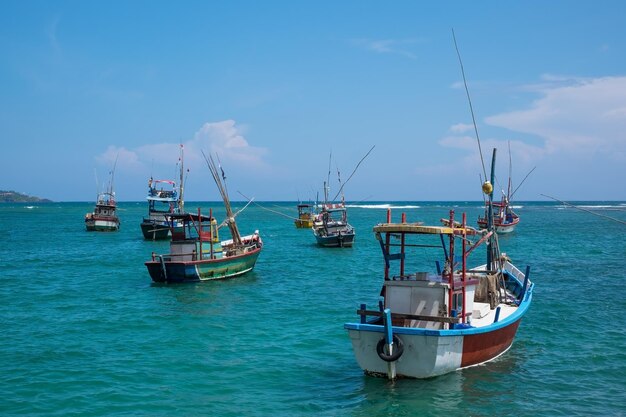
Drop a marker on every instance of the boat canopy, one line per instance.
(419, 228)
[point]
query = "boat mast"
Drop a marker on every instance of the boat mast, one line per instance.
(490, 227)
(230, 217)
(181, 186)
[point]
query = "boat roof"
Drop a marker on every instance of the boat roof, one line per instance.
(189, 216)
(419, 228)
(165, 181)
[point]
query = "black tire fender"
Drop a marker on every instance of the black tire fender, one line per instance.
(397, 351)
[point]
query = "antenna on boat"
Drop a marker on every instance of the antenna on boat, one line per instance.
(181, 185)
(110, 191)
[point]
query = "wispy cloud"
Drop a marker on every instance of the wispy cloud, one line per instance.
(388, 46)
(575, 116)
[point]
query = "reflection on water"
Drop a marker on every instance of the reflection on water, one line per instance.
(468, 391)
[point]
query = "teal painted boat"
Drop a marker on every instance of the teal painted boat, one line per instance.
(197, 254)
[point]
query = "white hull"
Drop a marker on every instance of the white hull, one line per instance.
(423, 357)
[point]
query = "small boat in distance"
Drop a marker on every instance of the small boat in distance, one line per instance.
(163, 198)
(197, 254)
(104, 216)
(306, 216)
(446, 316)
(331, 228)
(504, 218)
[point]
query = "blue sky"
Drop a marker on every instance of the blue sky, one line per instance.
(274, 87)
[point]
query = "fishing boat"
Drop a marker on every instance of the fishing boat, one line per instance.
(104, 216)
(196, 252)
(163, 198)
(504, 218)
(437, 314)
(331, 227)
(306, 216)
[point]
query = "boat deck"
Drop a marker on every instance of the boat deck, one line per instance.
(484, 316)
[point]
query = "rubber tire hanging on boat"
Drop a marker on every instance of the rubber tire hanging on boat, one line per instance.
(397, 351)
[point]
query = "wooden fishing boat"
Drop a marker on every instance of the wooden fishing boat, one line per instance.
(439, 319)
(104, 216)
(331, 227)
(504, 218)
(434, 322)
(197, 254)
(306, 216)
(163, 198)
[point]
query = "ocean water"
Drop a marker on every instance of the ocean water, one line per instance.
(85, 332)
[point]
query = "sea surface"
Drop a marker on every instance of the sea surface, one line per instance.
(84, 331)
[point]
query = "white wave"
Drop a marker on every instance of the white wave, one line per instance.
(30, 207)
(517, 207)
(382, 206)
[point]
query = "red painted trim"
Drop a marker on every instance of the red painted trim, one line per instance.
(479, 348)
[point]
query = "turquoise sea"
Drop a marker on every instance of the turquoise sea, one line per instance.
(84, 331)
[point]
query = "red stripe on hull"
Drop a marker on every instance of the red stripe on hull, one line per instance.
(479, 348)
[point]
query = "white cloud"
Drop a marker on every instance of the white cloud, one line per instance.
(224, 138)
(575, 116)
(461, 128)
(388, 46)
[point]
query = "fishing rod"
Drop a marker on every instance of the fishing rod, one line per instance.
(355, 168)
(520, 184)
(588, 211)
(480, 151)
(250, 200)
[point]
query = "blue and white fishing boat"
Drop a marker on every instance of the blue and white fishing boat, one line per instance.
(331, 228)
(164, 199)
(436, 313)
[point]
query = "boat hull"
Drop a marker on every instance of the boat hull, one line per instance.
(203, 270)
(500, 227)
(95, 224)
(429, 353)
(335, 241)
(304, 223)
(153, 230)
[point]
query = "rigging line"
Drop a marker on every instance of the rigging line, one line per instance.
(480, 151)
(265, 208)
(353, 171)
(588, 211)
(520, 184)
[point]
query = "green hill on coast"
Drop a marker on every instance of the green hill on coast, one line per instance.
(15, 197)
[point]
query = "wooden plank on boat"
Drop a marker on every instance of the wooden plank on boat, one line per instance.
(440, 319)
(419, 228)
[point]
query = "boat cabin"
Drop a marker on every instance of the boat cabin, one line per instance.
(441, 296)
(196, 239)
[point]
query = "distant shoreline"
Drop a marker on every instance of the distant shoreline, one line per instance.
(15, 197)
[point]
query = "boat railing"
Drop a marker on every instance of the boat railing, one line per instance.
(400, 317)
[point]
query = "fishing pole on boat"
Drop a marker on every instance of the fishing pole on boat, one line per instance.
(353, 171)
(265, 208)
(225, 222)
(480, 151)
(588, 211)
(520, 184)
